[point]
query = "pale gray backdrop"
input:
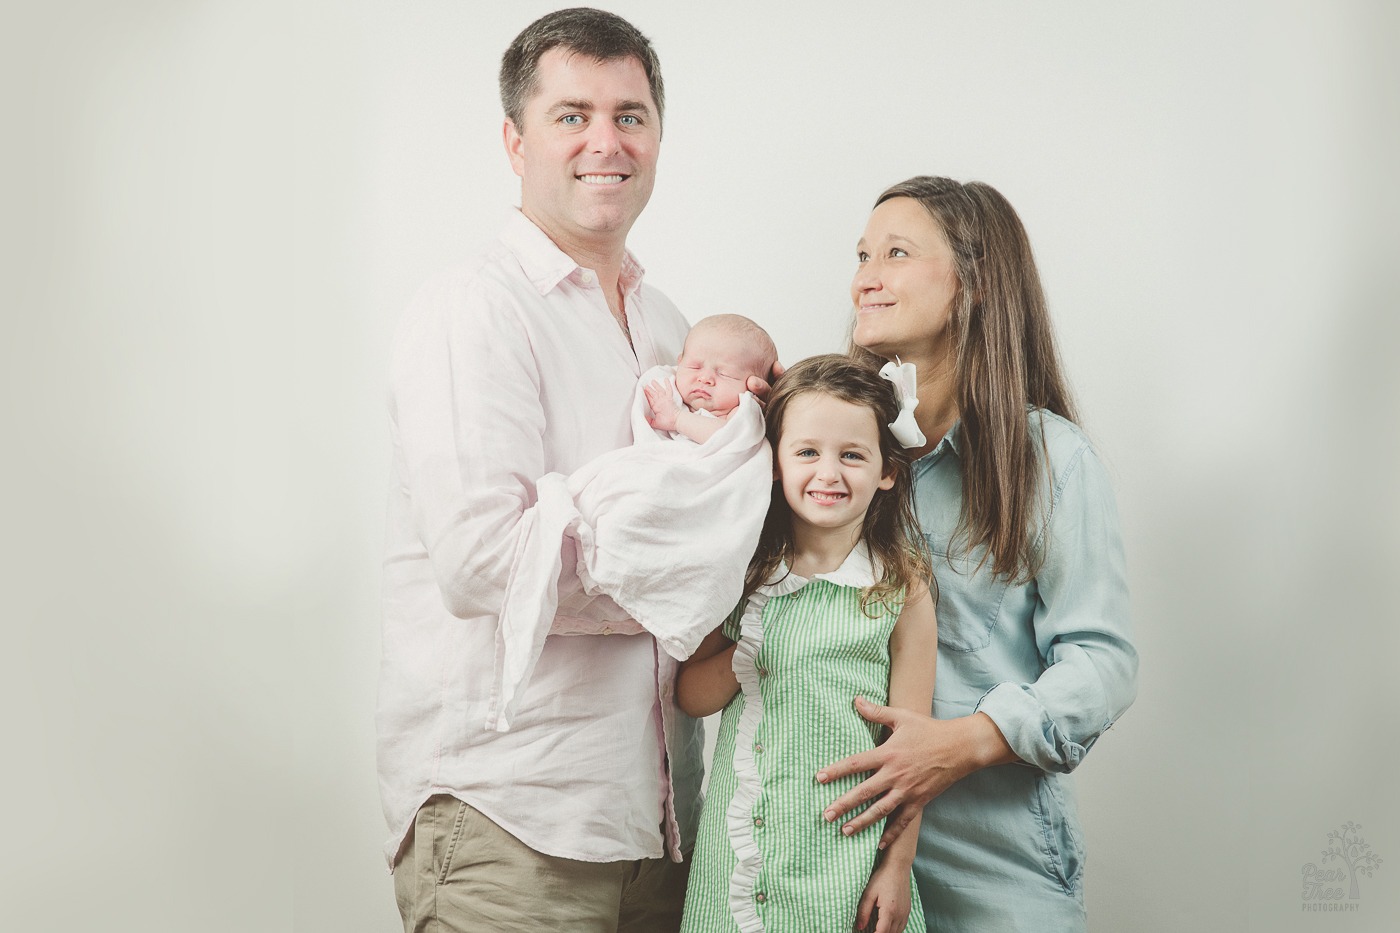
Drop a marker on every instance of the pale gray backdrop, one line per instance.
(214, 211)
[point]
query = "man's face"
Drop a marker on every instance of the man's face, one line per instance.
(586, 154)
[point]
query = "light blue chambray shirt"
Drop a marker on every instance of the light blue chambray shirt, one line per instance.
(1052, 662)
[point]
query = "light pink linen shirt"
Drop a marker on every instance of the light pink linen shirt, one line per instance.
(505, 369)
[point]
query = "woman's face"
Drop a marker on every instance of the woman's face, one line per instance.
(906, 282)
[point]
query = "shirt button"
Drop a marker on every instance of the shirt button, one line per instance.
(586, 277)
(607, 630)
(760, 897)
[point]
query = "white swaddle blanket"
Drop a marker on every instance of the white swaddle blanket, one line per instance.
(664, 527)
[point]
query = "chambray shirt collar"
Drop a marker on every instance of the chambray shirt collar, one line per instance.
(950, 443)
(546, 265)
(953, 439)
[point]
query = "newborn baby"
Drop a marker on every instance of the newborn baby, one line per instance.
(719, 356)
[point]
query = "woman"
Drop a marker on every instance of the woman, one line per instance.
(1035, 659)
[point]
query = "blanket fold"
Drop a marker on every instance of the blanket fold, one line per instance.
(664, 527)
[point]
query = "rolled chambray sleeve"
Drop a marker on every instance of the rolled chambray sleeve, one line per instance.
(1081, 628)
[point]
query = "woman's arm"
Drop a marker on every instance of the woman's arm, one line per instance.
(1081, 631)
(706, 682)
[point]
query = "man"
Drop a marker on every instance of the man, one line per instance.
(522, 363)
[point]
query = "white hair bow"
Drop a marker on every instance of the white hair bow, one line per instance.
(906, 388)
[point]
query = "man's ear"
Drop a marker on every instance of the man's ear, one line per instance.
(515, 147)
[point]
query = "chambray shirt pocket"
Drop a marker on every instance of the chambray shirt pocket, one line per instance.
(1059, 827)
(1004, 838)
(969, 598)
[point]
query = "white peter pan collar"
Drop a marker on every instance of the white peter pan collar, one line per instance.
(857, 570)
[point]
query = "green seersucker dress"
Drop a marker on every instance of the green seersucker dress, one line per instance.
(765, 860)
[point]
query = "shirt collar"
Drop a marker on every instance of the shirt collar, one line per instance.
(950, 441)
(857, 570)
(954, 437)
(546, 265)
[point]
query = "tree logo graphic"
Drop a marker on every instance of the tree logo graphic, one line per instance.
(1345, 859)
(1345, 845)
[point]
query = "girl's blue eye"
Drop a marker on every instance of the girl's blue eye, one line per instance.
(852, 455)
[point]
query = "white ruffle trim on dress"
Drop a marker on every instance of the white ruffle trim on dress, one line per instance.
(748, 858)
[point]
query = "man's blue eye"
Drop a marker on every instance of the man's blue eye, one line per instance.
(628, 119)
(572, 119)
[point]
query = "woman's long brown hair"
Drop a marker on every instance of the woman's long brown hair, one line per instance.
(1005, 364)
(890, 530)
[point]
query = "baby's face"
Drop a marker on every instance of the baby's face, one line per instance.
(713, 369)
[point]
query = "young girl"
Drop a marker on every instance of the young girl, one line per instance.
(836, 607)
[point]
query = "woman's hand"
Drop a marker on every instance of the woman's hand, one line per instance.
(921, 759)
(886, 897)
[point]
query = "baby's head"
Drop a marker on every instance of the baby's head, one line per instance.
(720, 355)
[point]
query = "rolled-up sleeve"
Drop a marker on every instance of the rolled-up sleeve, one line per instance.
(1081, 628)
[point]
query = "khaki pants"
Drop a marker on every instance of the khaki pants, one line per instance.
(461, 873)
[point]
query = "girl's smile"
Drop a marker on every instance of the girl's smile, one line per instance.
(828, 461)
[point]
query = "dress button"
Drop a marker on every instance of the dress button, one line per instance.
(758, 747)
(763, 672)
(760, 897)
(758, 821)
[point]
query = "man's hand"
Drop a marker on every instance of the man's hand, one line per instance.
(662, 404)
(921, 759)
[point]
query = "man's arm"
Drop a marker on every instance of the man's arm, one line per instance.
(465, 402)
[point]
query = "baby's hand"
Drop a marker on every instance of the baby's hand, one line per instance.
(663, 406)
